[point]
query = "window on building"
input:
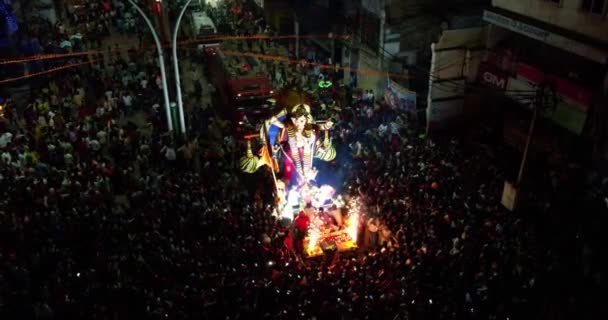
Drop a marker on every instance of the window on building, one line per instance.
(594, 6)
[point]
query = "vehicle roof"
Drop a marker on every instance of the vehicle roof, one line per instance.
(234, 63)
(243, 83)
(202, 19)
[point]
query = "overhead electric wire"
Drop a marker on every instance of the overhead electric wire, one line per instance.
(52, 70)
(164, 45)
(442, 84)
(203, 40)
(453, 84)
(320, 65)
(181, 44)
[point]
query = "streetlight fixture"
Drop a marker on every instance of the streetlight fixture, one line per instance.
(180, 103)
(161, 61)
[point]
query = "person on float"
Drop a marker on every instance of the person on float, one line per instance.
(301, 224)
(336, 215)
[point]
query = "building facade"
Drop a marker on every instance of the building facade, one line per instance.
(406, 29)
(557, 44)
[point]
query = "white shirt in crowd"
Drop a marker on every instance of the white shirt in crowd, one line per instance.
(94, 145)
(42, 121)
(194, 75)
(126, 79)
(127, 100)
(382, 129)
(68, 158)
(102, 137)
(6, 157)
(395, 128)
(170, 154)
(5, 139)
(107, 105)
(51, 119)
(100, 111)
(159, 82)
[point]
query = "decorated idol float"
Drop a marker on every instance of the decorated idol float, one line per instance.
(289, 144)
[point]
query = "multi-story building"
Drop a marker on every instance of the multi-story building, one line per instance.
(390, 39)
(402, 29)
(557, 44)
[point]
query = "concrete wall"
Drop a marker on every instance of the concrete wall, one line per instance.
(369, 75)
(568, 15)
(455, 61)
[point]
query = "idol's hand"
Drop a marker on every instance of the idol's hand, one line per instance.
(311, 174)
(275, 121)
(328, 125)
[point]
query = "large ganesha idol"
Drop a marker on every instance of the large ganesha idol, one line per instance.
(293, 136)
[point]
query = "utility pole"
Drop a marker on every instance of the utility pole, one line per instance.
(381, 40)
(524, 157)
(332, 48)
(540, 104)
(296, 30)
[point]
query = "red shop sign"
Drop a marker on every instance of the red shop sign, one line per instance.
(579, 96)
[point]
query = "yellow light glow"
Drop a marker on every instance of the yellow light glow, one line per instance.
(352, 223)
(345, 239)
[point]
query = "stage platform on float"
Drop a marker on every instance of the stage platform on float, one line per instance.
(338, 240)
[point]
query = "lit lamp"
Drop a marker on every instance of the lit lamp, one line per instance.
(159, 4)
(2, 106)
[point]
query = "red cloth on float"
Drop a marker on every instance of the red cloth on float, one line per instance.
(288, 242)
(302, 222)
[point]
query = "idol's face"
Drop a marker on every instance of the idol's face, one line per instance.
(300, 122)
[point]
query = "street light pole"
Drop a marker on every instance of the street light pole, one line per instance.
(161, 61)
(180, 103)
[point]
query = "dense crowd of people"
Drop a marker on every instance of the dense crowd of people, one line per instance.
(105, 218)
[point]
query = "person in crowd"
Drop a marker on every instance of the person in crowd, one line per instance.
(372, 229)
